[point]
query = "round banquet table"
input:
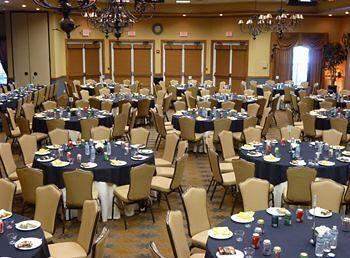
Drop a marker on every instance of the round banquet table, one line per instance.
(205, 124)
(181, 89)
(276, 172)
(10, 99)
(341, 103)
(292, 239)
(132, 98)
(7, 250)
(72, 123)
(91, 88)
(323, 119)
(220, 98)
(277, 89)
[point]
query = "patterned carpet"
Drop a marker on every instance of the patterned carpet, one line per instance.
(134, 241)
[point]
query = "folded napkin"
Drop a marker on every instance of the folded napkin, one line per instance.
(221, 231)
(246, 215)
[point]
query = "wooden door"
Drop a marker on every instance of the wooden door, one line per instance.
(239, 70)
(222, 61)
(75, 69)
(20, 42)
(92, 61)
(122, 62)
(173, 63)
(193, 62)
(143, 63)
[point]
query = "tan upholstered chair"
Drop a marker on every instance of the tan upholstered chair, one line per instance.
(46, 207)
(107, 105)
(55, 123)
(226, 180)
(309, 125)
(86, 126)
(187, 127)
(59, 136)
(8, 191)
(120, 122)
(290, 132)
(160, 97)
(85, 95)
(298, 190)
(82, 247)
(79, 188)
(138, 191)
(48, 105)
(326, 105)
(182, 148)
(100, 133)
(143, 106)
(253, 109)
(252, 134)
(346, 199)
(12, 116)
(195, 206)
(248, 92)
(341, 125)
(167, 159)
(332, 137)
(98, 248)
(82, 103)
(28, 148)
(223, 124)
(94, 103)
(139, 136)
(164, 185)
(6, 126)
(248, 122)
(267, 125)
(104, 91)
(30, 179)
(162, 129)
(228, 105)
(28, 112)
(179, 105)
(177, 236)
(255, 194)
(228, 150)
(8, 162)
(331, 198)
(322, 92)
(155, 253)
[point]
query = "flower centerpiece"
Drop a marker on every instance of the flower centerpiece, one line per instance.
(99, 147)
(319, 231)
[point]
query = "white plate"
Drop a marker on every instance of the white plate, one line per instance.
(347, 153)
(219, 237)
(35, 223)
(254, 154)
(344, 159)
(317, 212)
(300, 163)
(121, 163)
(330, 164)
(88, 165)
(36, 243)
(138, 159)
(64, 164)
(42, 153)
(273, 160)
(119, 142)
(7, 216)
(237, 219)
(53, 147)
(45, 160)
(239, 254)
(248, 148)
(146, 151)
(135, 146)
(274, 211)
(49, 118)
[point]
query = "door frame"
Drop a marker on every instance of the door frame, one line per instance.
(184, 42)
(132, 42)
(87, 41)
(226, 43)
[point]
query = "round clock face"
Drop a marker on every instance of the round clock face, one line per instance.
(157, 28)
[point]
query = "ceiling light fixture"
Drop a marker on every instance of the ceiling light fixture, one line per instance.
(347, 12)
(221, 14)
(24, 6)
(184, 15)
(330, 15)
(6, 1)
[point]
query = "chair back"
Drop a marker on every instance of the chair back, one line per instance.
(180, 165)
(11, 115)
(265, 113)
(88, 224)
(7, 159)
(62, 101)
(85, 95)
(86, 126)
(289, 132)
(223, 124)
(179, 105)
(249, 122)
(28, 111)
(154, 251)
(98, 248)
(78, 187)
(23, 124)
(310, 102)
(195, 206)
(252, 134)
(177, 236)
(262, 105)
(214, 165)
(329, 199)
(47, 202)
(290, 116)
(287, 94)
(255, 194)
(295, 105)
(139, 136)
(228, 105)
(48, 105)
(104, 91)
(181, 148)
(193, 90)
(213, 103)
(159, 121)
(143, 106)
(100, 133)
(140, 182)
(203, 104)
(187, 128)
(326, 104)
(144, 91)
(267, 125)
(59, 136)
(82, 103)
(299, 184)
(226, 142)
(95, 103)
(341, 125)
(8, 191)
(274, 103)
(248, 92)
(55, 123)
(30, 179)
(332, 137)
(160, 97)
(191, 101)
(243, 170)
(171, 144)
(6, 126)
(309, 126)
(322, 92)
(120, 121)
(238, 104)
(28, 146)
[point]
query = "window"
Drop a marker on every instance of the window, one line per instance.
(3, 75)
(300, 64)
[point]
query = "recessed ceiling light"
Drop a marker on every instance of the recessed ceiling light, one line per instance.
(346, 12)
(330, 15)
(38, 9)
(24, 5)
(6, 1)
(183, 1)
(221, 14)
(184, 15)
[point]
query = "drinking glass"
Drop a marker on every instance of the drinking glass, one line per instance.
(9, 223)
(319, 247)
(239, 234)
(249, 252)
(345, 223)
(12, 238)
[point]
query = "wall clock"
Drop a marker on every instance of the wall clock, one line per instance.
(157, 28)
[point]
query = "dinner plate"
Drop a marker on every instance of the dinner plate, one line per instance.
(42, 159)
(239, 254)
(53, 147)
(42, 153)
(276, 211)
(135, 146)
(119, 142)
(60, 164)
(320, 212)
(255, 144)
(4, 214)
(269, 158)
(347, 153)
(145, 151)
(248, 147)
(219, 236)
(88, 165)
(33, 225)
(337, 147)
(139, 157)
(344, 159)
(254, 154)
(237, 219)
(117, 163)
(49, 118)
(36, 242)
(326, 163)
(298, 163)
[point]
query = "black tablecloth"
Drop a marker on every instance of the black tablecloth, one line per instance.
(91, 89)
(10, 100)
(39, 124)
(293, 239)
(276, 90)
(104, 172)
(325, 123)
(276, 172)
(208, 125)
(132, 99)
(7, 250)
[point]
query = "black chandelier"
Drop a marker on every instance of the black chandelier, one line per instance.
(66, 7)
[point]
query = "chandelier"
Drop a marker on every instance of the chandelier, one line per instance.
(66, 7)
(117, 15)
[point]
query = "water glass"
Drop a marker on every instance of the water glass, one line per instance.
(239, 234)
(12, 238)
(319, 247)
(249, 252)
(309, 216)
(9, 223)
(345, 223)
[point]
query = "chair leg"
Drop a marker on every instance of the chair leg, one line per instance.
(113, 207)
(211, 182)
(236, 196)
(167, 201)
(272, 199)
(212, 195)
(223, 198)
(150, 208)
(124, 218)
